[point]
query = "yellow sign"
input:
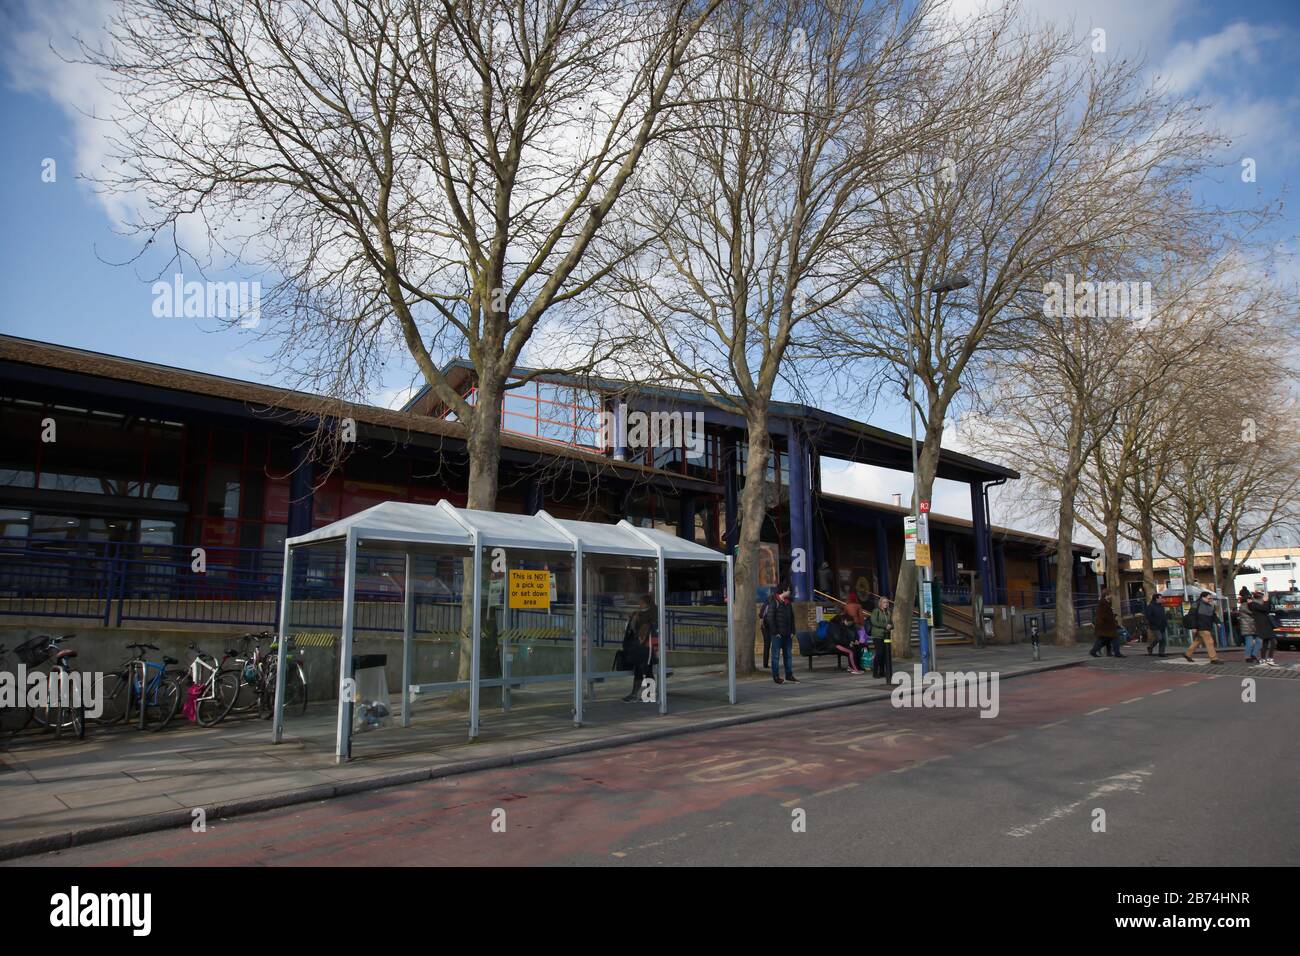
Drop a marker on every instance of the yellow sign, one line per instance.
(922, 555)
(530, 590)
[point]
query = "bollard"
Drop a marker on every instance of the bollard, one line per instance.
(1033, 638)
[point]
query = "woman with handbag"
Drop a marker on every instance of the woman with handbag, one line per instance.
(639, 646)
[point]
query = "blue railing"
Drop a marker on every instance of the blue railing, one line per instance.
(114, 582)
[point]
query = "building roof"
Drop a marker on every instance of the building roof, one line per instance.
(951, 521)
(834, 435)
(280, 404)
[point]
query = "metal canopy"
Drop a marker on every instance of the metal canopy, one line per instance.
(408, 526)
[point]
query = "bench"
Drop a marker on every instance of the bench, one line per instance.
(808, 649)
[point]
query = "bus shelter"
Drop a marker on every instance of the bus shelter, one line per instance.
(510, 569)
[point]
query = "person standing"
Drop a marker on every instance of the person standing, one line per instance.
(1246, 628)
(882, 626)
(1201, 620)
(1105, 627)
(1157, 622)
(1261, 615)
(780, 619)
(638, 645)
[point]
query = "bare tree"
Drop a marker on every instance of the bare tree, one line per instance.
(1055, 161)
(759, 207)
(424, 176)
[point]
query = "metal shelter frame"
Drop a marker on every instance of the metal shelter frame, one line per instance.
(413, 528)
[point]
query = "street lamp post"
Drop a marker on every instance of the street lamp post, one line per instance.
(928, 662)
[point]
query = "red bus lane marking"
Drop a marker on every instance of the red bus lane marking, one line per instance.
(593, 804)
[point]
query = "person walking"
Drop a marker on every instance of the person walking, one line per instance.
(1246, 628)
(1157, 622)
(780, 619)
(1261, 614)
(1105, 627)
(882, 626)
(1201, 621)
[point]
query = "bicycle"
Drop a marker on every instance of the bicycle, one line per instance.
(153, 690)
(250, 669)
(295, 682)
(64, 708)
(219, 687)
(14, 719)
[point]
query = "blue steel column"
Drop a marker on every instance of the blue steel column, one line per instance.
(798, 511)
(301, 496)
(883, 585)
(983, 560)
(686, 517)
(731, 489)
(1000, 567)
(949, 561)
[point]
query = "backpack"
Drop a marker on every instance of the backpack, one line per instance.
(1189, 619)
(763, 617)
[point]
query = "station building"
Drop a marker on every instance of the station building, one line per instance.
(115, 470)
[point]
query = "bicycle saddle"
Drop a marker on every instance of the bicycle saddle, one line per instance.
(65, 653)
(170, 660)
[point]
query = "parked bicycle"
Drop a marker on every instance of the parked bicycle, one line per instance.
(64, 708)
(146, 687)
(217, 687)
(295, 682)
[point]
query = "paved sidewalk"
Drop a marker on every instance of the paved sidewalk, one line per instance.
(121, 781)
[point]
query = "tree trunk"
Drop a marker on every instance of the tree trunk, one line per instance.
(1066, 633)
(752, 509)
(906, 589)
(1114, 582)
(484, 445)
(1148, 552)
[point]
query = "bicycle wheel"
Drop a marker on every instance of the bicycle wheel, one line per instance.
(224, 688)
(72, 719)
(167, 700)
(119, 695)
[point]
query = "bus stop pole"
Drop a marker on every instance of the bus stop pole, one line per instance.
(408, 636)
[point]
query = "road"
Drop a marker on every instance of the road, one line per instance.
(1185, 771)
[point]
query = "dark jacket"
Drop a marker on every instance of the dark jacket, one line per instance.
(1261, 612)
(780, 617)
(1104, 624)
(1203, 618)
(1156, 617)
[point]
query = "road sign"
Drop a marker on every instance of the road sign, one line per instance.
(909, 537)
(925, 506)
(922, 555)
(530, 590)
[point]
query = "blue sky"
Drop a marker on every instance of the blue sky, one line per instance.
(62, 279)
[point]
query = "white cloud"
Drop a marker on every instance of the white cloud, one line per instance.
(1237, 46)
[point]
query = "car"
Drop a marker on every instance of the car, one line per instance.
(1286, 618)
